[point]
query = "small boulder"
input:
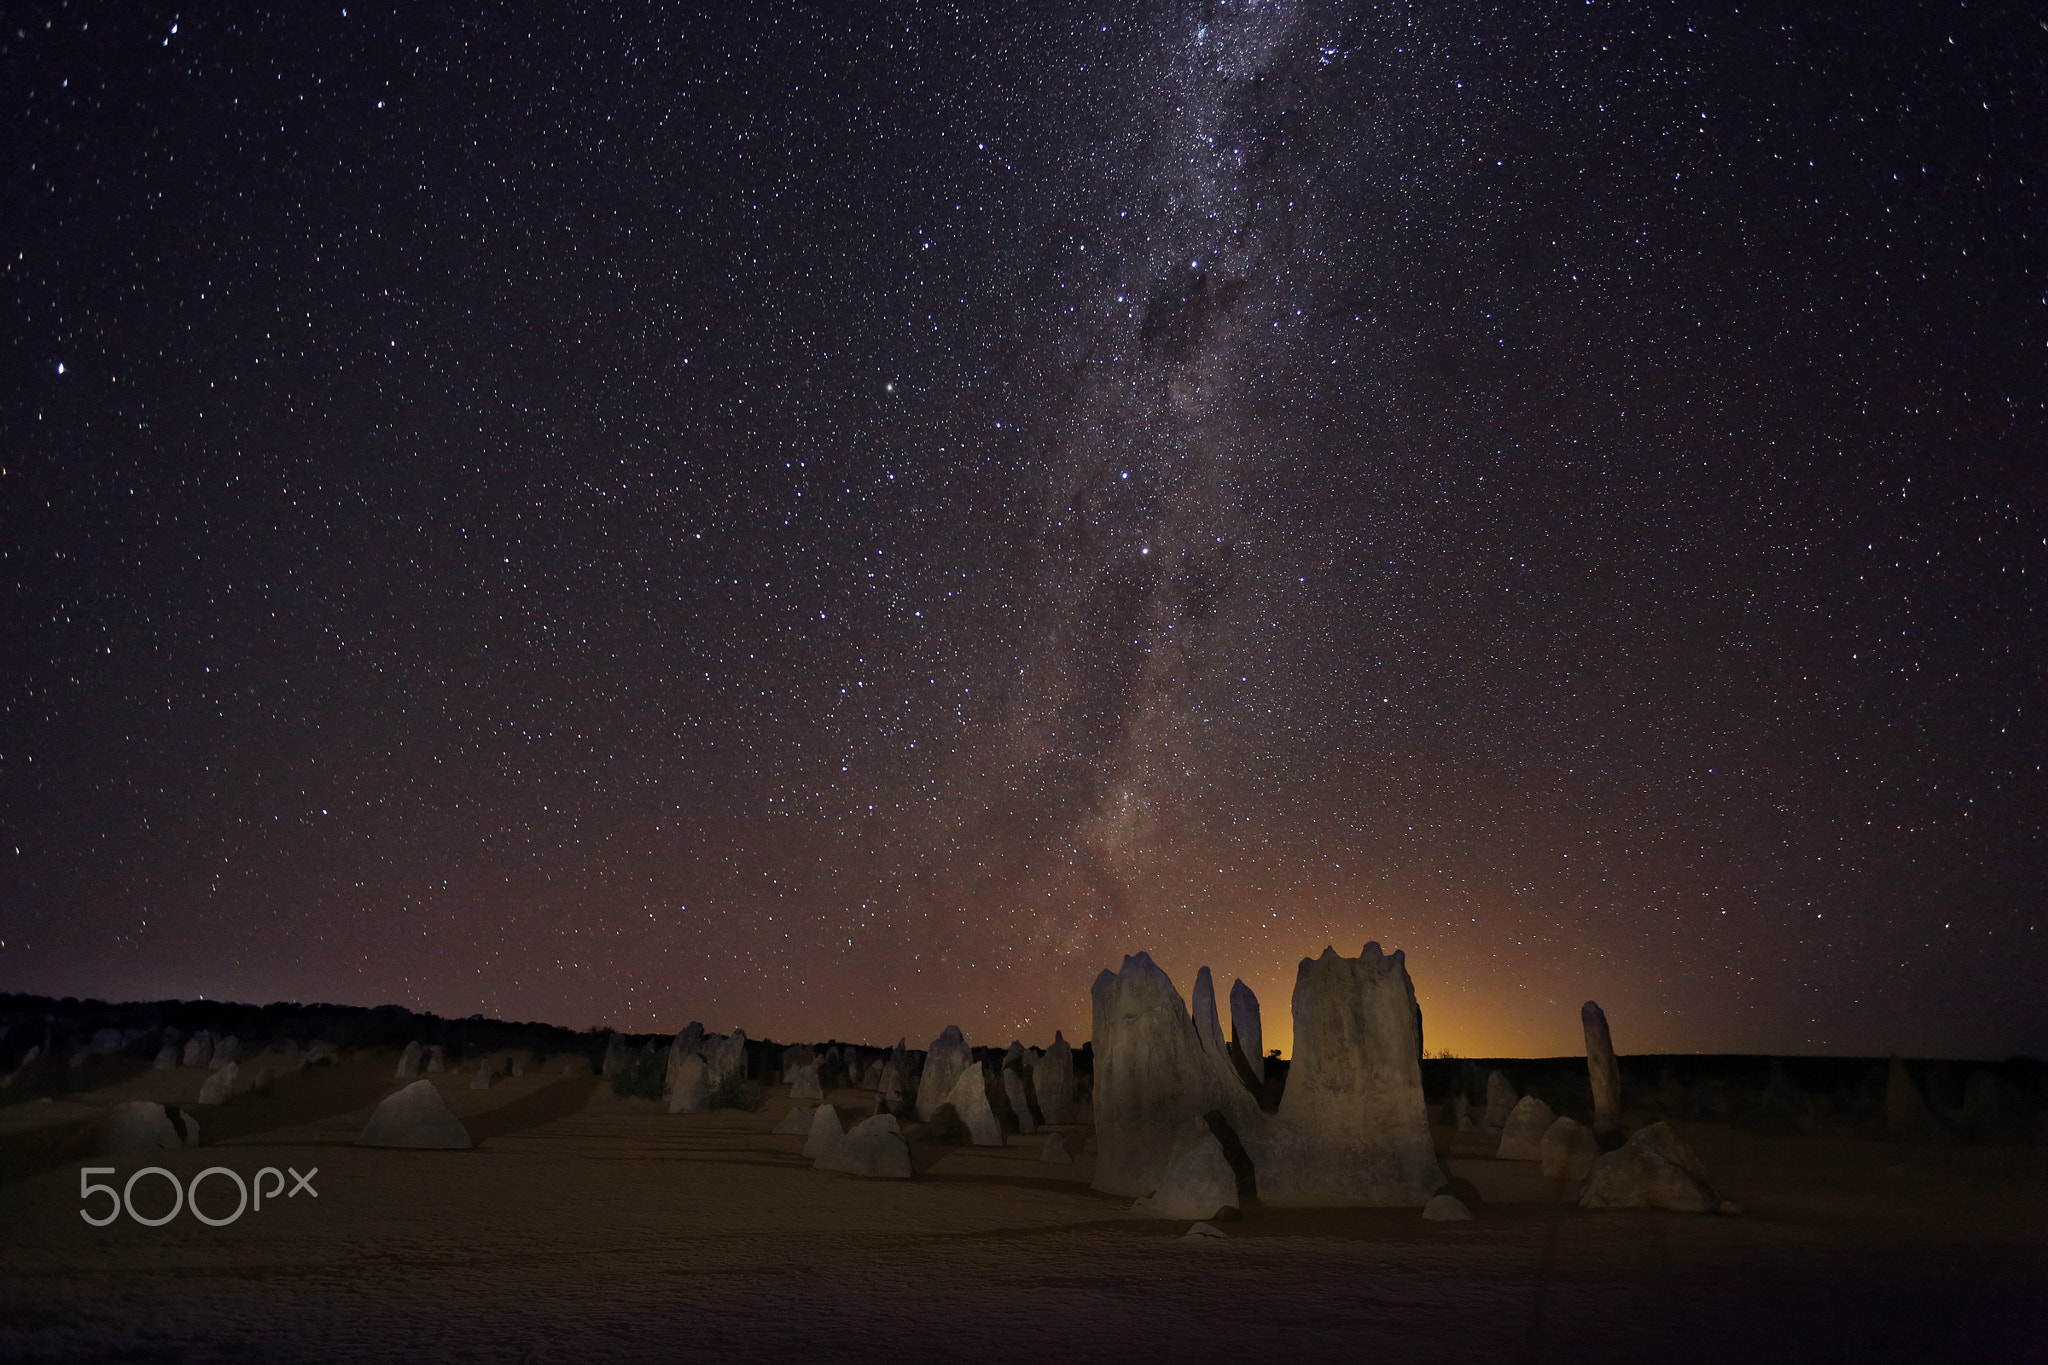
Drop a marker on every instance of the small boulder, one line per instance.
(797, 1120)
(1568, 1150)
(1521, 1137)
(1055, 1150)
(1199, 1180)
(139, 1126)
(219, 1085)
(1205, 1232)
(1654, 1169)
(875, 1148)
(416, 1116)
(1446, 1208)
(823, 1133)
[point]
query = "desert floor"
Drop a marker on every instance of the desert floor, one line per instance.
(588, 1228)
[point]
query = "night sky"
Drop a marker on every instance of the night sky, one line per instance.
(846, 518)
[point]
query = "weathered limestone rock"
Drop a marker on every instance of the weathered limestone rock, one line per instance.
(726, 1058)
(139, 1126)
(437, 1060)
(1206, 1232)
(1500, 1100)
(1020, 1102)
(416, 1116)
(1461, 1113)
(261, 1085)
(797, 1120)
(949, 1056)
(1567, 1150)
(1906, 1115)
(409, 1062)
(219, 1085)
(1654, 1169)
(320, 1052)
(824, 1134)
(969, 1098)
(871, 1075)
(1151, 1075)
(874, 1148)
(1353, 1126)
(689, 1042)
(199, 1049)
(1245, 1030)
(228, 1049)
(805, 1085)
(483, 1077)
(618, 1053)
(1521, 1137)
(1052, 1081)
(1055, 1150)
(1446, 1208)
(166, 1058)
(692, 1087)
(898, 1081)
(1198, 1181)
(1208, 1029)
(1605, 1073)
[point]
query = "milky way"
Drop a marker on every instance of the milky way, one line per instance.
(848, 523)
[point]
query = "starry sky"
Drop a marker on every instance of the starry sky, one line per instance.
(843, 518)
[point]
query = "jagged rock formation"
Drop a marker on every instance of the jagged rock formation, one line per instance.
(1052, 1081)
(1604, 1072)
(219, 1085)
(824, 1132)
(1521, 1137)
(969, 1099)
(874, 1148)
(1198, 1182)
(691, 1089)
(416, 1116)
(1653, 1169)
(1015, 1091)
(1567, 1150)
(948, 1057)
(1245, 1030)
(1151, 1076)
(689, 1042)
(1354, 1128)
(136, 1127)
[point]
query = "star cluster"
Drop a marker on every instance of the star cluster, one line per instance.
(845, 520)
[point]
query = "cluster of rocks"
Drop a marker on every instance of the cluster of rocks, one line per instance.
(1178, 1113)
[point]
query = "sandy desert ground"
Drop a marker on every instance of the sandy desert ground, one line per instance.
(588, 1228)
